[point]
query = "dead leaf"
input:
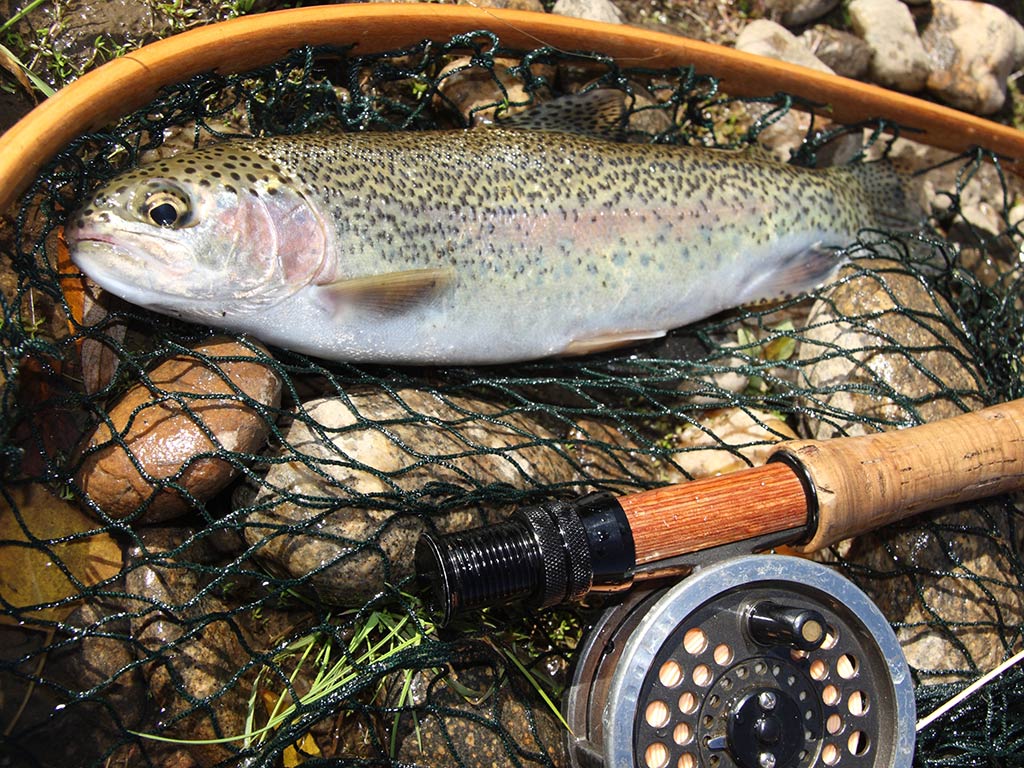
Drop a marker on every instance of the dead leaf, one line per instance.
(31, 555)
(88, 305)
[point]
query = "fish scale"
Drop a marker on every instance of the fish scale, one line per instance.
(480, 246)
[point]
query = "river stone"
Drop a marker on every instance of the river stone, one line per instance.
(796, 13)
(727, 440)
(766, 38)
(592, 10)
(314, 517)
(168, 442)
(503, 721)
(881, 329)
(973, 47)
(937, 574)
(845, 54)
(473, 92)
(201, 646)
(946, 581)
(898, 59)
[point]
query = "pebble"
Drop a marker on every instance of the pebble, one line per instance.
(506, 725)
(167, 441)
(796, 13)
(474, 94)
(944, 581)
(724, 438)
(377, 445)
(973, 48)
(592, 10)
(898, 59)
(766, 38)
(850, 343)
(844, 53)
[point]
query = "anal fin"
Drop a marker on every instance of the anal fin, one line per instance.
(606, 341)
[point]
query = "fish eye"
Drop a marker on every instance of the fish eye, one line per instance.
(168, 209)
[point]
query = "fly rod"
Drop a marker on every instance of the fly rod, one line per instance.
(810, 493)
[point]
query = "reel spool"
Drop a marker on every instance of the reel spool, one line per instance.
(759, 661)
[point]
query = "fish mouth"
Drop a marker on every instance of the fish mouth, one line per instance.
(123, 272)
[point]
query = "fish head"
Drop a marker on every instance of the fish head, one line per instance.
(200, 236)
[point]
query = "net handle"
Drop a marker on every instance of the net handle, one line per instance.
(130, 82)
(866, 482)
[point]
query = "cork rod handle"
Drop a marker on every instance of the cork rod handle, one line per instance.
(866, 482)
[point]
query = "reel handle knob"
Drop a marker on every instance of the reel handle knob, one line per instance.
(770, 623)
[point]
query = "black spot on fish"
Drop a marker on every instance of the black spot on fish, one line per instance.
(235, 176)
(251, 178)
(204, 182)
(216, 174)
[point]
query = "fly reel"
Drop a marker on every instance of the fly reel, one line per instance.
(759, 661)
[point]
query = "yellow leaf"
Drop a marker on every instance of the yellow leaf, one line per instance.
(296, 754)
(31, 554)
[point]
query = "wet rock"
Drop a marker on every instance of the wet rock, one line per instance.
(164, 429)
(945, 581)
(501, 721)
(608, 456)
(592, 10)
(766, 38)
(328, 509)
(973, 48)
(195, 644)
(881, 329)
(845, 54)
(796, 13)
(89, 695)
(727, 440)
(898, 59)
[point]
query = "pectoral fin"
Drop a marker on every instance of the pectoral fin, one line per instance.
(800, 273)
(388, 293)
(608, 341)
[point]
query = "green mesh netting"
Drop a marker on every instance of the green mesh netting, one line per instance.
(271, 618)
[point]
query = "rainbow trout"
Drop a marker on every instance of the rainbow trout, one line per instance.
(469, 246)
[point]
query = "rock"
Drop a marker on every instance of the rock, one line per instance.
(766, 38)
(592, 10)
(796, 13)
(845, 54)
(898, 59)
(506, 724)
(472, 92)
(88, 692)
(169, 442)
(973, 48)
(883, 329)
(945, 581)
(751, 433)
(326, 509)
(608, 456)
(201, 673)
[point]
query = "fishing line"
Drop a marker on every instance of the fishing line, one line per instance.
(969, 691)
